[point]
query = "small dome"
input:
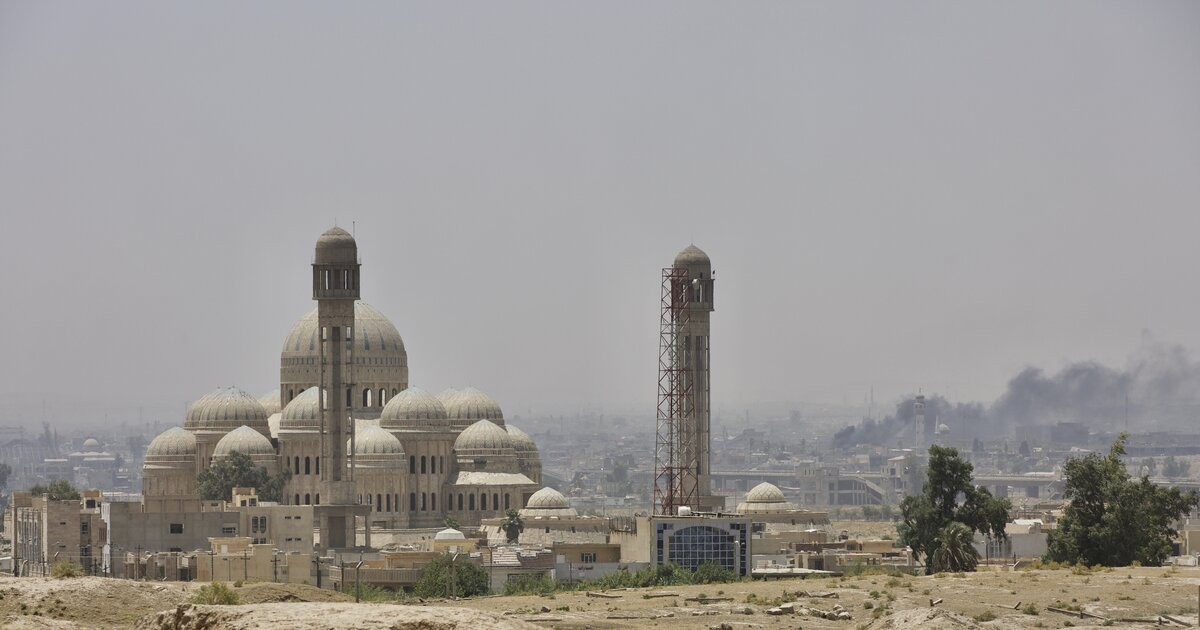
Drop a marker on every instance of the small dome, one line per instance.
(449, 534)
(336, 246)
(943, 428)
(472, 404)
(173, 441)
(483, 435)
(372, 440)
(413, 408)
(243, 440)
(224, 410)
(521, 442)
(765, 493)
(548, 499)
(691, 255)
(303, 413)
(91, 445)
(271, 402)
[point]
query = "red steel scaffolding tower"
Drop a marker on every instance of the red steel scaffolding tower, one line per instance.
(675, 446)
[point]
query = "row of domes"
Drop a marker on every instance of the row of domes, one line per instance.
(228, 408)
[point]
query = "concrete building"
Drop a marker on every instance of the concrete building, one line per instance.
(45, 531)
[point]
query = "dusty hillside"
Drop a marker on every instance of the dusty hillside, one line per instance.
(989, 600)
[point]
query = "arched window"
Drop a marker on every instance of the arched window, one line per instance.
(388, 498)
(318, 464)
(297, 464)
(483, 502)
(412, 502)
(442, 464)
(495, 501)
(370, 500)
(459, 501)
(422, 464)
(317, 499)
(308, 499)
(396, 501)
(505, 500)
(297, 500)
(367, 397)
(424, 507)
(412, 464)
(291, 395)
(382, 396)
(394, 392)
(307, 465)
(379, 503)
(433, 501)
(470, 502)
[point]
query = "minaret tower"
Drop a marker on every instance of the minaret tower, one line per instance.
(919, 425)
(695, 428)
(335, 289)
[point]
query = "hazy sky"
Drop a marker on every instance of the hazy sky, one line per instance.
(906, 195)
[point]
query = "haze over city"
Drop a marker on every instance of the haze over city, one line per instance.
(922, 197)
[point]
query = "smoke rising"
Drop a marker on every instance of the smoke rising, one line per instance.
(1158, 389)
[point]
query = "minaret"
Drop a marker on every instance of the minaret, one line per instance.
(919, 424)
(335, 289)
(694, 353)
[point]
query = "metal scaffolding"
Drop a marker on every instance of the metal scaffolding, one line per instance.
(675, 442)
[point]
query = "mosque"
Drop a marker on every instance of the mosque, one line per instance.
(413, 457)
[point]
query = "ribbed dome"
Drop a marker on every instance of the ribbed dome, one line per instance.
(270, 402)
(373, 440)
(521, 442)
(446, 395)
(690, 256)
(548, 502)
(173, 441)
(548, 499)
(303, 413)
(377, 344)
(225, 410)
(765, 493)
(91, 444)
(414, 408)
(243, 440)
(472, 404)
(336, 246)
(483, 435)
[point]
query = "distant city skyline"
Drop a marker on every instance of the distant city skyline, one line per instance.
(923, 196)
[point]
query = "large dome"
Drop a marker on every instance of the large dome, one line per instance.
(471, 404)
(548, 502)
(373, 440)
(244, 440)
(173, 441)
(336, 246)
(765, 498)
(521, 442)
(380, 360)
(224, 410)
(303, 413)
(414, 409)
(484, 435)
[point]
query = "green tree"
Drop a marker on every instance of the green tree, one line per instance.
(1111, 519)
(948, 496)
(1173, 468)
(512, 525)
(58, 490)
(450, 522)
(216, 483)
(435, 581)
(956, 552)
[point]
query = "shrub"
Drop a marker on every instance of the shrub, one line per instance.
(1030, 610)
(469, 578)
(985, 616)
(217, 594)
(710, 573)
(529, 584)
(66, 569)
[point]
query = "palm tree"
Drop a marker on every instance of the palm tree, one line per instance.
(955, 553)
(512, 525)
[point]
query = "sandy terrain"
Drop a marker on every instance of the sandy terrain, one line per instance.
(873, 602)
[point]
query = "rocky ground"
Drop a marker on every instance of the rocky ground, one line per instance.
(988, 600)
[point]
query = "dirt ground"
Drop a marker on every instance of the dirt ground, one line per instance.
(1140, 593)
(873, 602)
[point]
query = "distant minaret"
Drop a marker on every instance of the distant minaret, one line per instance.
(694, 339)
(919, 424)
(335, 289)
